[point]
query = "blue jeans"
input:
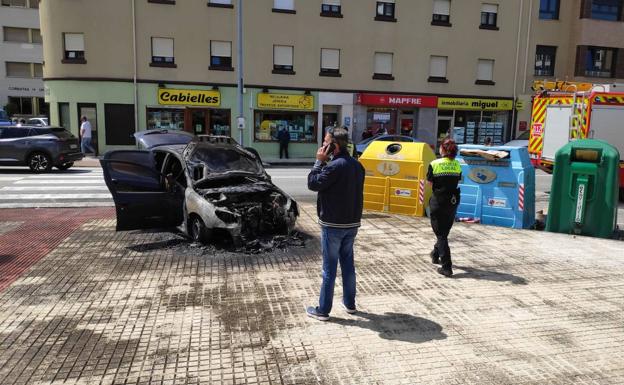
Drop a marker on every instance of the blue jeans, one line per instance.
(85, 144)
(337, 246)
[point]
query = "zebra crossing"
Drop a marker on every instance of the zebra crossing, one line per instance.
(78, 187)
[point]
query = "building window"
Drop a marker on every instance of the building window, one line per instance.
(35, 36)
(383, 66)
(441, 13)
(606, 9)
(34, 4)
(330, 62)
(331, 8)
(385, 11)
(489, 16)
(485, 72)
(18, 70)
(14, 3)
(600, 62)
(74, 48)
(221, 3)
(37, 70)
(549, 10)
(284, 6)
(300, 125)
(221, 55)
(172, 2)
(162, 52)
(545, 60)
(21, 105)
(437, 69)
(165, 118)
(283, 59)
(15, 35)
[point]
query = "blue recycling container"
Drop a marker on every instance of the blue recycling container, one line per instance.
(498, 192)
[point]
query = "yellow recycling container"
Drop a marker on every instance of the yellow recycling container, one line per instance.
(396, 177)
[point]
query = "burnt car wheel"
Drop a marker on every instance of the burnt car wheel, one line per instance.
(198, 231)
(39, 162)
(65, 166)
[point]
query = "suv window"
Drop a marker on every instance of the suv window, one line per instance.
(59, 132)
(14, 132)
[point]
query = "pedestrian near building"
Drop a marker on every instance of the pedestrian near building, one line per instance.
(284, 138)
(444, 174)
(339, 180)
(85, 135)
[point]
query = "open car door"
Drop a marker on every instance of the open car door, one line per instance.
(141, 198)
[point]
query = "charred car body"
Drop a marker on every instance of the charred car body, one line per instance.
(208, 187)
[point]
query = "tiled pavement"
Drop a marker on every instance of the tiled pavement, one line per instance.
(146, 307)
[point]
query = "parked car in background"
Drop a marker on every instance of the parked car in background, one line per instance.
(361, 147)
(38, 122)
(521, 141)
(39, 148)
(4, 118)
(208, 187)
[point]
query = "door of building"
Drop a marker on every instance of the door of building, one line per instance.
(444, 130)
(90, 111)
(197, 120)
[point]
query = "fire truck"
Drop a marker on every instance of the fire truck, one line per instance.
(565, 111)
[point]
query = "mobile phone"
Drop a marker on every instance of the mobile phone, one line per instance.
(331, 147)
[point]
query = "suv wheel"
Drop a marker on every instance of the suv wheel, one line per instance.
(198, 231)
(65, 166)
(39, 162)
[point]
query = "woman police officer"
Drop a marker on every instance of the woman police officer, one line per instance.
(444, 174)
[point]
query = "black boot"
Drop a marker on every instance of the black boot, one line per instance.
(435, 259)
(445, 272)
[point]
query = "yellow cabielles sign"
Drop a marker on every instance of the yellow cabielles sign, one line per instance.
(286, 102)
(169, 96)
(475, 104)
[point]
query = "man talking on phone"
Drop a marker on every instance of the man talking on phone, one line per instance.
(339, 180)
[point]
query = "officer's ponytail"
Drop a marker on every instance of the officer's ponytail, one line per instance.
(449, 147)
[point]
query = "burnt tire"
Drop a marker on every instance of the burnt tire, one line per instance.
(65, 166)
(39, 162)
(198, 231)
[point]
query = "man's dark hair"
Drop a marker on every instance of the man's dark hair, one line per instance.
(341, 136)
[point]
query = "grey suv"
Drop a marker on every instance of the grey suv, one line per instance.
(39, 148)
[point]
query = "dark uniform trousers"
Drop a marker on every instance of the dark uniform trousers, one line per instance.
(443, 209)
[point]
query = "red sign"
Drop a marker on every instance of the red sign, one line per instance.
(523, 125)
(537, 129)
(390, 100)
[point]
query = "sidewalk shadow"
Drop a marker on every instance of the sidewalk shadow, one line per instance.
(396, 326)
(6, 258)
(471, 272)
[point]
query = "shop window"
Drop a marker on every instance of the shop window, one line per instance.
(43, 107)
(18, 70)
(21, 105)
(283, 60)
(64, 118)
(383, 66)
(300, 125)
(162, 52)
(489, 16)
(221, 3)
(441, 13)
(437, 69)
(220, 122)
(549, 10)
(599, 62)
(74, 48)
(15, 35)
(545, 60)
(14, 3)
(284, 6)
(606, 10)
(221, 55)
(386, 11)
(36, 36)
(165, 118)
(330, 62)
(381, 120)
(331, 8)
(119, 124)
(37, 70)
(485, 72)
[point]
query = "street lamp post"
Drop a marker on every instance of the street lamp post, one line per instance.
(239, 67)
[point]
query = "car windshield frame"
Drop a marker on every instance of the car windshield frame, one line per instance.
(234, 161)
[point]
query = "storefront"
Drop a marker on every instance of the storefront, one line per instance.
(410, 115)
(196, 111)
(295, 113)
(473, 120)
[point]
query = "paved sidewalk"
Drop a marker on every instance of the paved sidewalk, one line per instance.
(147, 307)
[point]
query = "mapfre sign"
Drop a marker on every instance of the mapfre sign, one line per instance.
(390, 100)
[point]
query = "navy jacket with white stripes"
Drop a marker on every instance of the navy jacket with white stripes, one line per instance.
(340, 187)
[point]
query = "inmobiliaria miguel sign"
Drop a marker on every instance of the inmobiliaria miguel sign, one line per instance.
(391, 100)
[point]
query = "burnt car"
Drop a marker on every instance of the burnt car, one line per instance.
(208, 187)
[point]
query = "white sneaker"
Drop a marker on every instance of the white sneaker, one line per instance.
(350, 311)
